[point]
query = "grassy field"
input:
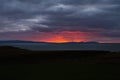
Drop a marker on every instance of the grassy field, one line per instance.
(60, 71)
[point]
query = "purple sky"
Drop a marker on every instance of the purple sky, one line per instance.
(60, 20)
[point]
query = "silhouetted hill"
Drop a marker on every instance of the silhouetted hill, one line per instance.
(81, 43)
(12, 54)
(9, 50)
(15, 41)
(20, 41)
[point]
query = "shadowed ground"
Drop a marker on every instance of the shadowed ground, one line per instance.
(20, 64)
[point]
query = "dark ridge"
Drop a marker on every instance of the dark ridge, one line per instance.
(21, 41)
(10, 55)
(81, 43)
(18, 41)
(15, 41)
(9, 50)
(6, 48)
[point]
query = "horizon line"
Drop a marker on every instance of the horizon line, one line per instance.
(63, 42)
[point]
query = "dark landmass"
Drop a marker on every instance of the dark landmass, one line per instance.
(20, 41)
(22, 64)
(16, 41)
(68, 46)
(16, 55)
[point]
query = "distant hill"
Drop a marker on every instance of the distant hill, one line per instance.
(8, 42)
(15, 41)
(31, 45)
(81, 43)
(20, 41)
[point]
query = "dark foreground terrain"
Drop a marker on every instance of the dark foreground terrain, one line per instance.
(20, 64)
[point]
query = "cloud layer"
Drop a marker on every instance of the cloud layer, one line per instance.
(26, 16)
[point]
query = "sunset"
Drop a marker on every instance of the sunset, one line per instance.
(59, 39)
(60, 20)
(64, 36)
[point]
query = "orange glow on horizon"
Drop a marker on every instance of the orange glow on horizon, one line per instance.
(63, 36)
(66, 36)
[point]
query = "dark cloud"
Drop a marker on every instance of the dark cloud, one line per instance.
(58, 15)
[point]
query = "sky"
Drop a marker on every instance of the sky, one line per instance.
(60, 20)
